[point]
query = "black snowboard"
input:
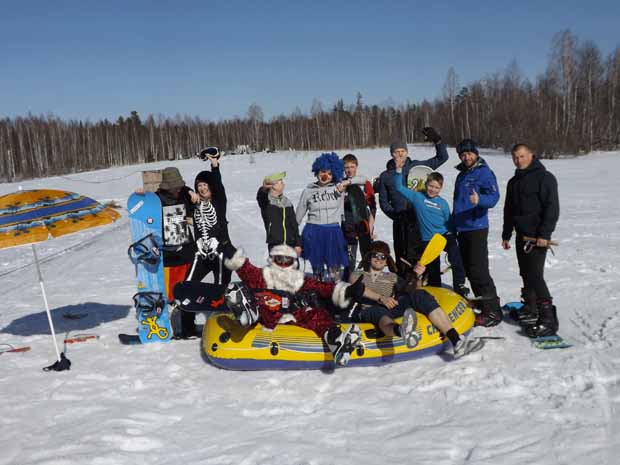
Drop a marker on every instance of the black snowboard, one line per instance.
(199, 297)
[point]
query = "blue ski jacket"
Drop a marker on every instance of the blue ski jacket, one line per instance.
(390, 201)
(433, 213)
(479, 178)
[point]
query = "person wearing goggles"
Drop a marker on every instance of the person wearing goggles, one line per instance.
(282, 274)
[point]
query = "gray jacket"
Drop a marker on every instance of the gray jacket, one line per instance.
(324, 204)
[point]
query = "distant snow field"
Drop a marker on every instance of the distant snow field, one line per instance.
(160, 404)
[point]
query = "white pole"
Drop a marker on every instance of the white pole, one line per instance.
(47, 307)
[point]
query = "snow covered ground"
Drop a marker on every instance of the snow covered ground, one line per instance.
(159, 404)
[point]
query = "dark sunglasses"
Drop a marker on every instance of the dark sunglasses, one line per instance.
(283, 260)
(378, 256)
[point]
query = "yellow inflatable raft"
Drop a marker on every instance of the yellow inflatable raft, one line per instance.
(288, 347)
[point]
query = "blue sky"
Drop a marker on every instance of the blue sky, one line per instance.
(212, 59)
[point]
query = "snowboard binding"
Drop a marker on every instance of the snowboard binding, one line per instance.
(146, 251)
(148, 303)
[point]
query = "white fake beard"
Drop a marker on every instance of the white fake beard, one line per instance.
(283, 279)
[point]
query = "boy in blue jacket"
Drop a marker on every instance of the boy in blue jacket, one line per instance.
(433, 214)
(475, 192)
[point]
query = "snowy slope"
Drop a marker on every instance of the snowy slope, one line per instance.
(159, 404)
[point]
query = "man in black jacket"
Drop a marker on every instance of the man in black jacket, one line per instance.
(532, 209)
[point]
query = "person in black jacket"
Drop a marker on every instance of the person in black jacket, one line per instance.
(278, 213)
(532, 209)
(360, 211)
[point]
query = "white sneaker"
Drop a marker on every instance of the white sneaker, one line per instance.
(408, 328)
(342, 343)
(467, 345)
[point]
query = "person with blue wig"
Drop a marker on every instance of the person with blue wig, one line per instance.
(323, 242)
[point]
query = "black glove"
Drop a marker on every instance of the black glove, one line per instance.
(431, 135)
(356, 290)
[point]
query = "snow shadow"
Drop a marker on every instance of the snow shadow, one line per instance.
(69, 318)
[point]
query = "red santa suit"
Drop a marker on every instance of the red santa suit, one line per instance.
(290, 280)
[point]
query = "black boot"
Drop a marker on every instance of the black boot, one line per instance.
(490, 315)
(528, 315)
(547, 323)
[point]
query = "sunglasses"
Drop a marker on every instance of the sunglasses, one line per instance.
(379, 256)
(283, 260)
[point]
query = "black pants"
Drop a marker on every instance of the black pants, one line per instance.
(454, 257)
(532, 269)
(407, 240)
(475, 254)
(203, 266)
(200, 268)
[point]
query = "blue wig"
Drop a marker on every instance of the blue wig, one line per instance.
(331, 162)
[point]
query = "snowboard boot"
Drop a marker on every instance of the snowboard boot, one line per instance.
(547, 323)
(407, 328)
(342, 343)
(239, 299)
(528, 314)
(183, 323)
(490, 314)
(467, 345)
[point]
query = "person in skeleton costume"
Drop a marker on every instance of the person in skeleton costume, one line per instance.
(280, 293)
(211, 234)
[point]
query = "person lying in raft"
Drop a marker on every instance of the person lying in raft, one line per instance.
(280, 293)
(387, 296)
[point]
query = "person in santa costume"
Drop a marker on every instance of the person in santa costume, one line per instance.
(280, 293)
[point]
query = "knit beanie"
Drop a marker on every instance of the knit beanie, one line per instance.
(204, 176)
(467, 145)
(398, 144)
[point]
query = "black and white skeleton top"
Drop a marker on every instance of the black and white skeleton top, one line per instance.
(205, 220)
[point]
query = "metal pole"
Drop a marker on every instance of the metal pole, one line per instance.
(47, 308)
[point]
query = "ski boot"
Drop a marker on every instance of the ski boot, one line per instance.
(240, 300)
(547, 323)
(407, 328)
(490, 314)
(467, 345)
(342, 343)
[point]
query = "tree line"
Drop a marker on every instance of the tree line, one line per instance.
(572, 107)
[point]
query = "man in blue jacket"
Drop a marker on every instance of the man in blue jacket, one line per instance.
(407, 241)
(475, 191)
